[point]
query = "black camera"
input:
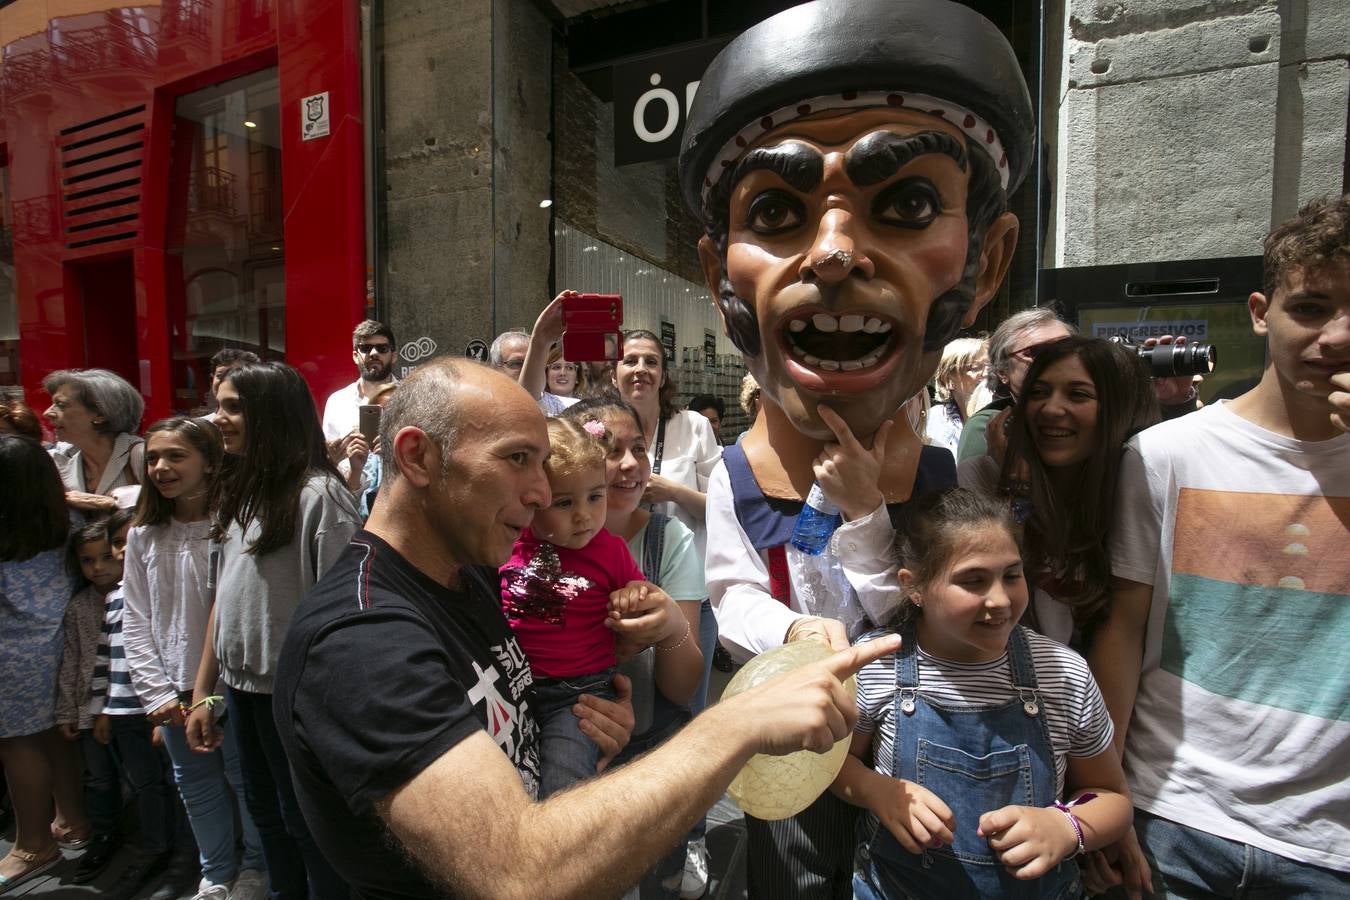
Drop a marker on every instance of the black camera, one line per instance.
(1173, 360)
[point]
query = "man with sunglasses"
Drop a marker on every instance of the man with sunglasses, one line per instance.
(373, 351)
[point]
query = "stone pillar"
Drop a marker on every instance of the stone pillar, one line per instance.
(466, 93)
(1183, 129)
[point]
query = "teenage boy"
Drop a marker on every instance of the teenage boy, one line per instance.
(1224, 661)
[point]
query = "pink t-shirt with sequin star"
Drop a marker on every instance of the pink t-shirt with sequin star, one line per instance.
(556, 600)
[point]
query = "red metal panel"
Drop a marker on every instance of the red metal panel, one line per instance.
(324, 190)
(99, 64)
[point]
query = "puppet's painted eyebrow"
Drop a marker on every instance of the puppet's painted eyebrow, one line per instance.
(800, 166)
(881, 154)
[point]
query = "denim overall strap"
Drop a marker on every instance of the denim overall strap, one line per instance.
(976, 759)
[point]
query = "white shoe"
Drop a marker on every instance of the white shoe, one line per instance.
(694, 884)
(250, 885)
(208, 891)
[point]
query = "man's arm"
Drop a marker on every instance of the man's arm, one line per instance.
(468, 822)
(1117, 654)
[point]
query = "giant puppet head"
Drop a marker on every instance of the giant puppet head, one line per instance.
(851, 161)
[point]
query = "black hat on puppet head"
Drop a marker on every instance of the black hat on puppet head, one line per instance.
(860, 52)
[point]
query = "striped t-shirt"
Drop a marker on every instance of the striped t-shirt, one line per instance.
(113, 693)
(1072, 703)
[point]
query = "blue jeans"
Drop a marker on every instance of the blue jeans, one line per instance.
(295, 868)
(1190, 863)
(667, 719)
(128, 755)
(212, 785)
(566, 756)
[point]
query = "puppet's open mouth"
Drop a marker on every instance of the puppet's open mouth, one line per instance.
(845, 343)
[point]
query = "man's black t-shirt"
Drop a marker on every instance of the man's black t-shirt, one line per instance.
(382, 672)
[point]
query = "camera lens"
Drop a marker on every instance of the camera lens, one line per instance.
(1171, 361)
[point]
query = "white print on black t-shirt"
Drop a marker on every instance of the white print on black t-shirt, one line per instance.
(508, 722)
(512, 659)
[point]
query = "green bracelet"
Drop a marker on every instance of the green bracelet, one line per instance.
(208, 702)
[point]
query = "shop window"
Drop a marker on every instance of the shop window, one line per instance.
(226, 258)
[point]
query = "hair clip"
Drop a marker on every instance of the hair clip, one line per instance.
(595, 428)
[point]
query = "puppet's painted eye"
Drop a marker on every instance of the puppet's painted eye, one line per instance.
(912, 203)
(773, 212)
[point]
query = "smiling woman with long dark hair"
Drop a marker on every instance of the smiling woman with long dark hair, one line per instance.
(284, 517)
(1081, 400)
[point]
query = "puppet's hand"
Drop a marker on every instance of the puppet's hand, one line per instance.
(848, 472)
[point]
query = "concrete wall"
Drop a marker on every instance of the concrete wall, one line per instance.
(1184, 129)
(466, 95)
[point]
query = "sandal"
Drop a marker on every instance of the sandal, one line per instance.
(36, 866)
(67, 841)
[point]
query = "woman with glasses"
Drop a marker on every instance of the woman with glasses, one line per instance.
(958, 376)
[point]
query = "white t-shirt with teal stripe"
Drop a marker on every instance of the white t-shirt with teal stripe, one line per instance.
(1241, 727)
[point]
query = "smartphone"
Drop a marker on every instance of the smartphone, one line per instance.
(370, 422)
(591, 324)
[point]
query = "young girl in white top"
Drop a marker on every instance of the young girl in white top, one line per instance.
(997, 726)
(164, 626)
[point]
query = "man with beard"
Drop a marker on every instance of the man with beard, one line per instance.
(851, 163)
(373, 351)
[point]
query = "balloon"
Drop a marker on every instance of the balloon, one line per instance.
(777, 787)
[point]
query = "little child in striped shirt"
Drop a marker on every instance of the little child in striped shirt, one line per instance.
(117, 743)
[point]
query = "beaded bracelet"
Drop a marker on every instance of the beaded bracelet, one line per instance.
(688, 629)
(1066, 808)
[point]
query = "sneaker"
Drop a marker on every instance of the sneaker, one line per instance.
(250, 885)
(101, 849)
(695, 881)
(208, 891)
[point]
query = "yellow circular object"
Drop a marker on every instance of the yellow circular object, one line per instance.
(778, 787)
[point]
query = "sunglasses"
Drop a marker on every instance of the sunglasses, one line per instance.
(381, 349)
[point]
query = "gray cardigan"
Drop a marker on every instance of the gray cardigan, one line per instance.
(124, 466)
(256, 596)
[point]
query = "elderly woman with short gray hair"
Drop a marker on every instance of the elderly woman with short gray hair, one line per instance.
(95, 414)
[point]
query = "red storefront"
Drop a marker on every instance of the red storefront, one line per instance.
(162, 199)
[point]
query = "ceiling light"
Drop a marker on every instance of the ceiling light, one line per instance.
(545, 204)
(248, 123)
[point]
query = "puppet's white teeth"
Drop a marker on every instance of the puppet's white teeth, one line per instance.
(885, 327)
(825, 322)
(851, 323)
(851, 365)
(797, 325)
(811, 360)
(872, 325)
(798, 351)
(829, 365)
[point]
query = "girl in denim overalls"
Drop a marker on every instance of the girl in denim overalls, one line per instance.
(977, 728)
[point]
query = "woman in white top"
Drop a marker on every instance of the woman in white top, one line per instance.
(95, 414)
(680, 444)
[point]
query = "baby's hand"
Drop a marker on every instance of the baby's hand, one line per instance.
(915, 815)
(1029, 840)
(644, 614)
(628, 600)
